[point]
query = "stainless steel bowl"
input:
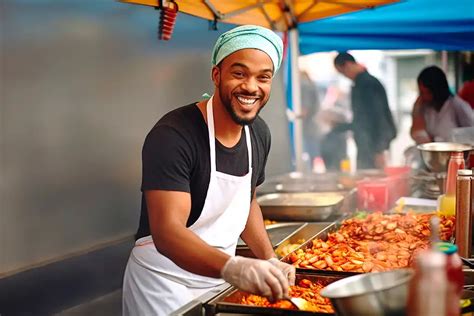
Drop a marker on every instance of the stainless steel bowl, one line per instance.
(436, 155)
(383, 293)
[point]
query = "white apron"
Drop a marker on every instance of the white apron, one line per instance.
(155, 285)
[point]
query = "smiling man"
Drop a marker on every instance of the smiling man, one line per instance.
(201, 166)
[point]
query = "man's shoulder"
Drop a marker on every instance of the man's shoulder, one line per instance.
(183, 122)
(367, 78)
(188, 112)
(182, 118)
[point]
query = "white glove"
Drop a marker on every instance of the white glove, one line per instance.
(256, 276)
(287, 269)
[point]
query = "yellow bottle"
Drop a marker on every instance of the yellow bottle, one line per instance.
(447, 205)
(447, 202)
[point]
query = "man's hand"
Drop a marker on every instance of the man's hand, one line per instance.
(287, 269)
(256, 276)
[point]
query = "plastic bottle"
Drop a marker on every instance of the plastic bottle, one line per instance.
(447, 204)
(454, 276)
(345, 165)
(427, 289)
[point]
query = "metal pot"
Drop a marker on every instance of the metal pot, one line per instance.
(436, 155)
(383, 293)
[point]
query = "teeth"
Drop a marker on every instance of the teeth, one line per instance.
(246, 101)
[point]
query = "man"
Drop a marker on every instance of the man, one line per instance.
(310, 108)
(372, 123)
(201, 165)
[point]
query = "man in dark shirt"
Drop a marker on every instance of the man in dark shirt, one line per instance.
(372, 122)
(201, 164)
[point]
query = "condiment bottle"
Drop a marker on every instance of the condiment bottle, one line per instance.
(345, 165)
(427, 289)
(448, 201)
(454, 276)
(463, 226)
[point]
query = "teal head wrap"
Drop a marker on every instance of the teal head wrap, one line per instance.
(249, 36)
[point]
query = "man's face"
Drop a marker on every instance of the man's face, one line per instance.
(425, 93)
(342, 69)
(244, 81)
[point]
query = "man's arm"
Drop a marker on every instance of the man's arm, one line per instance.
(255, 234)
(256, 237)
(168, 212)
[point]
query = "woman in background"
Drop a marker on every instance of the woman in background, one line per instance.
(437, 112)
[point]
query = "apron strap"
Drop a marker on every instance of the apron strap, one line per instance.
(212, 138)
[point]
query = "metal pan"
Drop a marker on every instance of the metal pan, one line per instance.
(304, 234)
(303, 206)
(323, 234)
(228, 301)
(277, 233)
(294, 182)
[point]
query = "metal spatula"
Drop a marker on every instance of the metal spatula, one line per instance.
(301, 304)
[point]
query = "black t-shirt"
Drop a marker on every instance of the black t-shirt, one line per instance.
(175, 157)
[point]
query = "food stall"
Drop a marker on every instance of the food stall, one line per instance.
(329, 242)
(323, 230)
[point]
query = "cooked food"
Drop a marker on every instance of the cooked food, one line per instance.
(286, 249)
(305, 289)
(375, 243)
(268, 222)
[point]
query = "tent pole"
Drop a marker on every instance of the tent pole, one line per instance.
(296, 99)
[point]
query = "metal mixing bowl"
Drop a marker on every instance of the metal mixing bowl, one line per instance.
(436, 155)
(382, 293)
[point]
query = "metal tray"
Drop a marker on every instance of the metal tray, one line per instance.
(278, 233)
(227, 301)
(302, 206)
(323, 234)
(326, 182)
(306, 233)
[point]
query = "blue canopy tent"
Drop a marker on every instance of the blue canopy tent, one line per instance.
(410, 24)
(433, 24)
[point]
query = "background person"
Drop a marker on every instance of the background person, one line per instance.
(310, 108)
(372, 124)
(201, 165)
(437, 112)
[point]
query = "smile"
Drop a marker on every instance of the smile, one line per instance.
(247, 101)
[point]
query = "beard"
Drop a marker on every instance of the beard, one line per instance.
(227, 102)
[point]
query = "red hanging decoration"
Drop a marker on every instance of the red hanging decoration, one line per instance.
(167, 19)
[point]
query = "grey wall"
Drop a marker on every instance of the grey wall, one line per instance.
(82, 82)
